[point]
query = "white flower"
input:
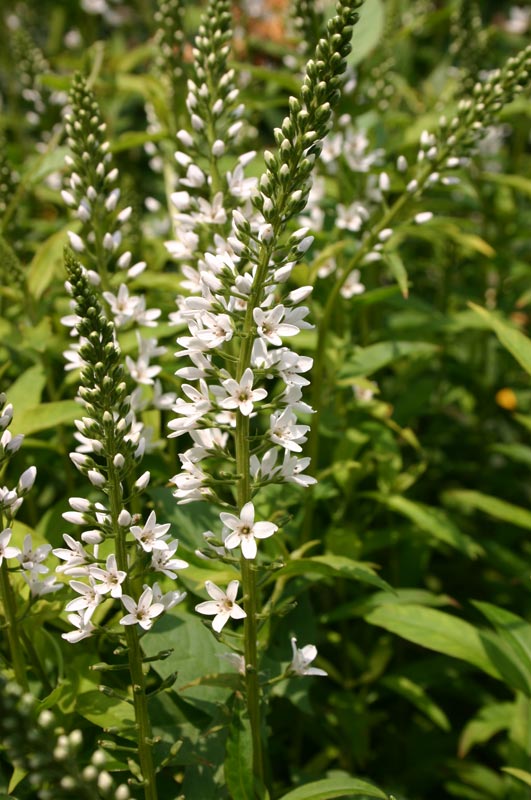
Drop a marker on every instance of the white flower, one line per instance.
(31, 559)
(87, 601)
(284, 431)
(39, 588)
(222, 605)
(85, 628)
(163, 561)
(245, 530)
(269, 325)
(5, 550)
(352, 285)
(111, 577)
(74, 555)
(143, 612)
(150, 537)
(169, 599)
(302, 658)
(241, 395)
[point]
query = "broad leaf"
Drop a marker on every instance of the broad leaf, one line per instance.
(433, 521)
(239, 755)
(416, 695)
(45, 416)
(454, 637)
(470, 499)
(329, 788)
(490, 721)
(333, 566)
(520, 774)
(511, 338)
(512, 628)
(367, 360)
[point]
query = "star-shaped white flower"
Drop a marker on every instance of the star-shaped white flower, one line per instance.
(241, 395)
(151, 536)
(222, 605)
(84, 628)
(245, 530)
(111, 577)
(302, 658)
(5, 550)
(143, 612)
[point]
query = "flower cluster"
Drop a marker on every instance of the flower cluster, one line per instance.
(113, 446)
(93, 192)
(52, 757)
(242, 391)
(31, 559)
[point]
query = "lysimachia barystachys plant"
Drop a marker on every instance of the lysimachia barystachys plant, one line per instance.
(243, 412)
(26, 560)
(93, 193)
(116, 561)
(392, 200)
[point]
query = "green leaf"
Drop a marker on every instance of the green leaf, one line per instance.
(511, 338)
(500, 509)
(196, 653)
(104, 711)
(47, 263)
(368, 31)
(416, 695)
(398, 270)
(490, 721)
(367, 360)
(18, 775)
(329, 788)
(512, 628)
(239, 755)
(433, 521)
(131, 139)
(454, 637)
(26, 391)
(520, 774)
(333, 566)
(517, 182)
(520, 453)
(45, 416)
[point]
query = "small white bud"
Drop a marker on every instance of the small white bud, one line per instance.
(124, 215)
(96, 478)
(218, 148)
(92, 537)
(305, 244)
(124, 518)
(412, 186)
(401, 164)
(185, 138)
(423, 217)
(74, 518)
(68, 198)
(76, 242)
(385, 235)
(384, 182)
(80, 504)
(124, 260)
(143, 481)
(118, 461)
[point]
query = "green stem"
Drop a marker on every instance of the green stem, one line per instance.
(249, 586)
(134, 652)
(10, 612)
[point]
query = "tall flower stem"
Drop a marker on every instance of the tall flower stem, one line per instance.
(134, 652)
(10, 612)
(250, 589)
